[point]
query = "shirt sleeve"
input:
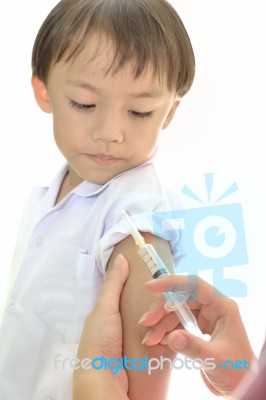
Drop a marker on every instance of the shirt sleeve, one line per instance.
(143, 209)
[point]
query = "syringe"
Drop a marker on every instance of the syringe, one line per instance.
(176, 301)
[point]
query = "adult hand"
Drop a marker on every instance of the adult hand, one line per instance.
(217, 316)
(102, 337)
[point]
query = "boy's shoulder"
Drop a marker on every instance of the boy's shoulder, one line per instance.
(141, 178)
(144, 186)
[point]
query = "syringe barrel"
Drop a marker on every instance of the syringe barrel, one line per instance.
(176, 301)
(153, 261)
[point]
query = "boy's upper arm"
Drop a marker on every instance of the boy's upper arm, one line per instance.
(135, 300)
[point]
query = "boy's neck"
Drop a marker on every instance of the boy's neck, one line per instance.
(66, 187)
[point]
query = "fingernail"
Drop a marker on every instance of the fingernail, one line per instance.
(149, 282)
(144, 316)
(118, 261)
(146, 337)
(164, 341)
(177, 342)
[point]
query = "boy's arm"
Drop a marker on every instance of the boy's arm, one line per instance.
(96, 386)
(135, 301)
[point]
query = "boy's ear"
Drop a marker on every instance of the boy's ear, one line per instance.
(171, 113)
(41, 94)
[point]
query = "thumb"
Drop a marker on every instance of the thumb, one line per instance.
(112, 287)
(189, 345)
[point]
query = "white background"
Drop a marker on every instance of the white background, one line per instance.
(219, 127)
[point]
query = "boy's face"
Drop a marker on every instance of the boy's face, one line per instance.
(104, 124)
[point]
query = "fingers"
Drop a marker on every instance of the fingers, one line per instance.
(156, 334)
(154, 314)
(198, 289)
(180, 341)
(113, 285)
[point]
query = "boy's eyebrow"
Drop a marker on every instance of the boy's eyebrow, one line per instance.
(85, 85)
(151, 94)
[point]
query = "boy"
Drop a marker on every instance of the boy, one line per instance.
(111, 72)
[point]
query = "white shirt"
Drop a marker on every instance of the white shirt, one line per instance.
(59, 265)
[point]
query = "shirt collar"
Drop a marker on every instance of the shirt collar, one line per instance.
(86, 188)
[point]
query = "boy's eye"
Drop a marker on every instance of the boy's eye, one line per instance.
(141, 115)
(81, 107)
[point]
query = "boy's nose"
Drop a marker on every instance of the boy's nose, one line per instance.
(109, 129)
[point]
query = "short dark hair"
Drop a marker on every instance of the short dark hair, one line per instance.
(144, 32)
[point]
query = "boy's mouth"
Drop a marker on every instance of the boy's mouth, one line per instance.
(103, 159)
